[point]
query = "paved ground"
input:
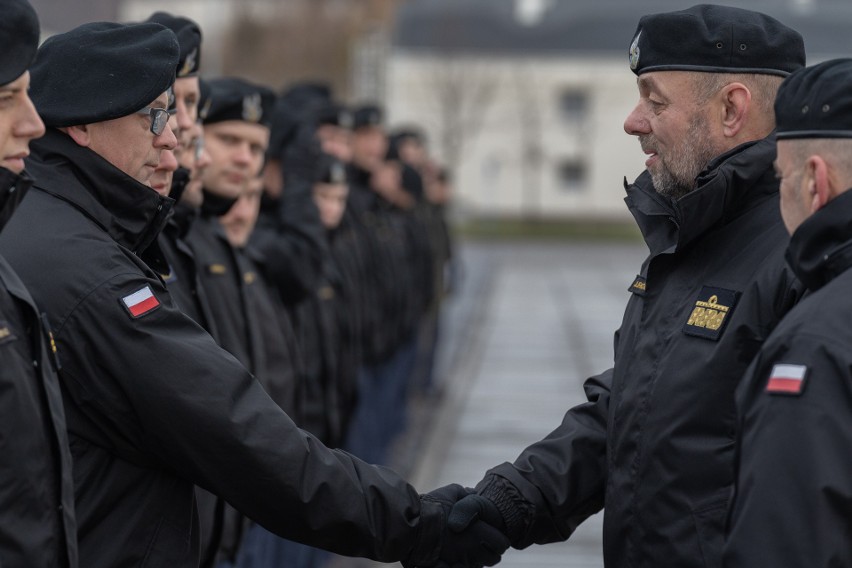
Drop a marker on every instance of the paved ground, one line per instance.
(529, 323)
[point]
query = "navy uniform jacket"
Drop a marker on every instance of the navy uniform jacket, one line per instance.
(154, 406)
(221, 279)
(37, 527)
(181, 276)
(325, 327)
(654, 444)
(794, 489)
(281, 362)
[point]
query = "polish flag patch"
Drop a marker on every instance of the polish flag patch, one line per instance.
(141, 302)
(787, 379)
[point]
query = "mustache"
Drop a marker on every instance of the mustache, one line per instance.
(648, 142)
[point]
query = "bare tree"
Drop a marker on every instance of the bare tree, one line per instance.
(297, 40)
(462, 88)
(530, 140)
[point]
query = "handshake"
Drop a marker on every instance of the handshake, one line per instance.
(474, 532)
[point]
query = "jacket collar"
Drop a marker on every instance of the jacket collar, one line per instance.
(13, 188)
(821, 248)
(730, 184)
(131, 213)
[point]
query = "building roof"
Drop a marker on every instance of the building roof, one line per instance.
(528, 27)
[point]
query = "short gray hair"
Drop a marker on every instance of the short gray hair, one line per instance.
(763, 88)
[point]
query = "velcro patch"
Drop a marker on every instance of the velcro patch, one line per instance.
(141, 302)
(639, 286)
(711, 312)
(787, 379)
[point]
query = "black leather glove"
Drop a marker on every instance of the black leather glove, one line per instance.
(301, 159)
(469, 539)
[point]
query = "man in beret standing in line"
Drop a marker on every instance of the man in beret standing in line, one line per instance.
(236, 134)
(654, 444)
(153, 405)
(37, 526)
(794, 493)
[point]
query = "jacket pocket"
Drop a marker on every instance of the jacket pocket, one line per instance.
(709, 517)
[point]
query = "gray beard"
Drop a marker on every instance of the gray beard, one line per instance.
(675, 176)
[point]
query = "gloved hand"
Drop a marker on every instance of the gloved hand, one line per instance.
(301, 159)
(473, 535)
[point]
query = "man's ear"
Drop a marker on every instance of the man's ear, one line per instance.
(736, 103)
(819, 183)
(80, 134)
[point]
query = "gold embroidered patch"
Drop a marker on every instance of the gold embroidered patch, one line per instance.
(711, 312)
(325, 293)
(639, 286)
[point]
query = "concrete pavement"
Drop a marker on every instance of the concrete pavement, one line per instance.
(529, 324)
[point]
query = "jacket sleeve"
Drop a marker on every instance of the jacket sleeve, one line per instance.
(794, 493)
(294, 246)
(558, 482)
(161, 394)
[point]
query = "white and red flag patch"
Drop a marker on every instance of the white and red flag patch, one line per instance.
(787, 379)
(140, 302)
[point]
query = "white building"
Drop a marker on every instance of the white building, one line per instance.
(526, 98)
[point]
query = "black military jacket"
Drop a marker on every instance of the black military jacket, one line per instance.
(324, 323)
(384, 285)
(654, 444)
(221, 279)
(794, 493)
(290, 238)
(282, 363)
(182, 275)
(37, 526)
(154, 406)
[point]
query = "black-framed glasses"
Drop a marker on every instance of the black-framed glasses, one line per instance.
(159, 118)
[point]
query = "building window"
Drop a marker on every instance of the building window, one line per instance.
(571, 174)
(573, 106)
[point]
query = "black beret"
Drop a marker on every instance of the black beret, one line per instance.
(330, 170)
(189, 37)
(312, 102)
(101, 71)
(715, 39)
(816, 102)
(367, 115)
(238, 99)
(19, 31)
(305, 95)
(398, 137)
(335, 114)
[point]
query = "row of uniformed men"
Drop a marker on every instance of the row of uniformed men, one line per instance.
(323, 302)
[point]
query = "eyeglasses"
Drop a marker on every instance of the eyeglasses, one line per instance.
(159, 118)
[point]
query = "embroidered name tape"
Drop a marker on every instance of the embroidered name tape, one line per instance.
(141, 302)
(639, 286)
(711, 312)
(787, 379)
